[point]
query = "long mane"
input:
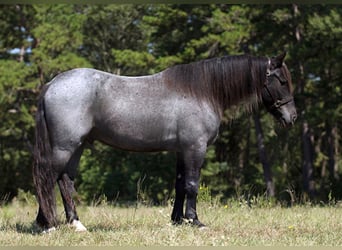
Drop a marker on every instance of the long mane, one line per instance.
(223, 81)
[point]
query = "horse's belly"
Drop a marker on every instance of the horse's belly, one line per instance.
(137, 133)
(152, 120)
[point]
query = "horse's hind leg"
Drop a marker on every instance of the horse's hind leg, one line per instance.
(66, 187)
(45, 178)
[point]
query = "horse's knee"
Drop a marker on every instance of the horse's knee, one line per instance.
(191, 188)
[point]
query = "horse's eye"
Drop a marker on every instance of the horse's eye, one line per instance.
(277, 104)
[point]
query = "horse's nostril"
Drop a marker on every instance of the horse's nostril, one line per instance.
(294, 118)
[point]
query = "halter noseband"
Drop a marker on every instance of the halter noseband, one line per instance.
(276, 102)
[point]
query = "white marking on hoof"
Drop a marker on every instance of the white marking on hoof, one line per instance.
(78, 226)
(49, 230)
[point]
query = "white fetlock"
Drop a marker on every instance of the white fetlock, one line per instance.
(49, 230)
(78, 226)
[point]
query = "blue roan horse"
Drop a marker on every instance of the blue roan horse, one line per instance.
(178, 109)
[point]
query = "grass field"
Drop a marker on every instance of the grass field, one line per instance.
(228, 225)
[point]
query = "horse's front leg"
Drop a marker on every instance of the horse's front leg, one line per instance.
(193, 162)
(178, 207)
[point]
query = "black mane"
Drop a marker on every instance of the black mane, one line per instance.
(223, 81)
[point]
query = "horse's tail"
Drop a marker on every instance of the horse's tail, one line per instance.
(43, 174)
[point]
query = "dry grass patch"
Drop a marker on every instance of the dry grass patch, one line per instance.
(236, 225)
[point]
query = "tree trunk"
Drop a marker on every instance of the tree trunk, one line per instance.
(21, 54)
(307, 137)
(263, 157)
(333, 152)
(308, 158)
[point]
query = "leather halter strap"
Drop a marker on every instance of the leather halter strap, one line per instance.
(276, 102)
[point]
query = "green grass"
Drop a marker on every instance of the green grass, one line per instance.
(234, 224)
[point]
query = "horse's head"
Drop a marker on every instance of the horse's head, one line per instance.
(277, 92)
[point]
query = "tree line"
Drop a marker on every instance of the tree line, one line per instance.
(253, 155)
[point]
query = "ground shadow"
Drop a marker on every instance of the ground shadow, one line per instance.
(22, 228)
(33, 229)
(101, 228)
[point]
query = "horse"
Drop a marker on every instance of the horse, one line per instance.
(178, 109)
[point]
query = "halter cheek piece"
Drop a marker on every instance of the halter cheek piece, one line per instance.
(276, 102)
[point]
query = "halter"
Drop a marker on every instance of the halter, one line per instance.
(276, 102)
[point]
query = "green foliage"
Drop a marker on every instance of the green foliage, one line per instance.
(26, 198)
(59, 50)
(16, 128)
(133, 62)
(112, 27)
(123, 176)
(204, 194)
(48, 38)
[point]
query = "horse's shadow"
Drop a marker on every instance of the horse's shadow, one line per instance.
(101, 228)
(33, 229)
(23, 228)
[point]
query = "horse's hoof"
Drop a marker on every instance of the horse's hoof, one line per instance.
(195, 223)
(198, 224)
(78, 226)
(49, 230)
(177, 222)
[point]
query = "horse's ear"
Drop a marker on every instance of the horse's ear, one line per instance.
(277, 62)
